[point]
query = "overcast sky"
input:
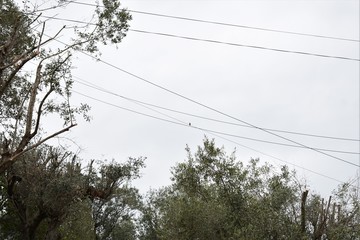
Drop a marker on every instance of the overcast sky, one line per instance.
(265, 88)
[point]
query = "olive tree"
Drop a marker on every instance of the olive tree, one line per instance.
(48, 185)
(27, 96)
(215, 196)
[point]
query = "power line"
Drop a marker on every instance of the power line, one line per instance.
(264, 129)
(179, 122)
(208, 107)
(277, 143)
(129, 110)
(172, 91)
(244, 26)
(214, 110)
(229, 24)
(243, 45)
(91, 85)
(143, 104)
(217, 41)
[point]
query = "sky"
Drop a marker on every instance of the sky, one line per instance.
(242, 79)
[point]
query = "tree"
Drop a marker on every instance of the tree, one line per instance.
(214, 196)
(48, 185)
(40, 184)
(26, 98)
(336, 218)
(113, 200)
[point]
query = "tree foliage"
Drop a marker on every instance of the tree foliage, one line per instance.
(48, 184)
(43, 186)
(47, 193)
(26, 97)
(215, 196)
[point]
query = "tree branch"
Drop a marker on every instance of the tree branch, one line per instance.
(40, 111)
(42, 141)
(27, 134)
(16, 70)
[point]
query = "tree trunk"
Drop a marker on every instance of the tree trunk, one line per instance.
(52, 232)
(303, 204)
(29, 233)
(29, 229)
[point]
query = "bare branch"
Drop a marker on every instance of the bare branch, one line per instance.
(40, 111)
(13, 158)
(41, 35)
(27, 134)
(25, 57)
(7, 82)
(35, 19)
(32, 100)
(18, 117)
(52, 38)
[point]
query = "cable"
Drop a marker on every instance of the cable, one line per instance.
(185, 125)
(243, 45)
(277, 143)
(129, 110)
(229, 24)
(145, 105)
(218, 42)
(215, 110)
(290, 163)
(210, 108)
(91, 85)
(244, 26)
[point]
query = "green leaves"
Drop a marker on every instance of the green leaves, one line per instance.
(111, 25)
(214, 196)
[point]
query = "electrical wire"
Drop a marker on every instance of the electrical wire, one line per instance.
(211, 108)
(227, 24)
(256, 47)
(182, 123)
(276, 134)
(243, 45)
(143, 104)
(215, 110)
(94, 86)
(217, 42)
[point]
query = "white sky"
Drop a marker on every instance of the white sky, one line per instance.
(269, 89)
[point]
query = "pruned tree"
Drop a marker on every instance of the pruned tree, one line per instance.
(336, 218)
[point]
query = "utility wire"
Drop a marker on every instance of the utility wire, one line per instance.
(216, 41)
(210, 108)
(228, 24)
(91, 85)
(182, 123)
(215, 110)
(194, 101)
(243, 45)
(244, 26)
(129, 110)
(145, 105)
